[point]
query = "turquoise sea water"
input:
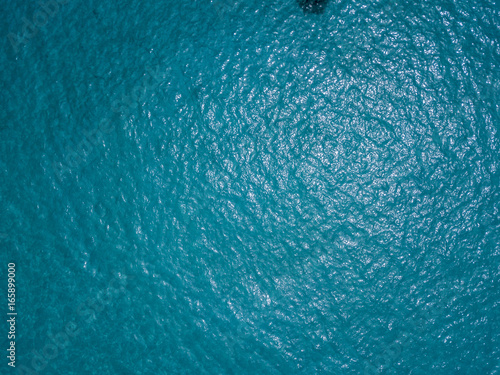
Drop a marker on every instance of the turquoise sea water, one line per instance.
(244, 188)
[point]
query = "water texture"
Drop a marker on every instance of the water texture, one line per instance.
(251, 187)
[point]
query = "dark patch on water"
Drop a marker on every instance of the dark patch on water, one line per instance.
(313, 6)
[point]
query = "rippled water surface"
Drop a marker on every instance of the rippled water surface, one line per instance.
(247, 188)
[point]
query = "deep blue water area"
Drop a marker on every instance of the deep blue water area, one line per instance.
(258, 187)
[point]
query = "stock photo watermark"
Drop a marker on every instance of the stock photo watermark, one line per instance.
(393, 351)
(46, 10)
(11, 314)
(87, 313)
(224, 6)
(85, 151)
